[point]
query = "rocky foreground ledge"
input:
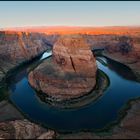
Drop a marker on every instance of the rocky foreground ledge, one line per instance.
(70, 74)
(24, 129)
(13, 125)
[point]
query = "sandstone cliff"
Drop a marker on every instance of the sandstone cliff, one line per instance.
(19, 47)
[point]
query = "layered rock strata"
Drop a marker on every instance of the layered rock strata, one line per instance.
(70, 74)
(119, 43)
(18, 47)
(122, 48)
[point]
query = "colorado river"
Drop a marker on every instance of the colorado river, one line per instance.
(96, 115)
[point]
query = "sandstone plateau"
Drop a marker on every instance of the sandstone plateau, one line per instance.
(70, 74)
(118, 41)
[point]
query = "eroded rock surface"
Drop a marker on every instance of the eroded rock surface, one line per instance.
(70, 74)
(14, 126)
(8, 112)
(23, 129)
(19, 47)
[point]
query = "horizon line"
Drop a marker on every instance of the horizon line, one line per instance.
(37, 26)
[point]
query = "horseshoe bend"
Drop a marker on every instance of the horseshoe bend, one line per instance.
(70, 70)
(88, 70)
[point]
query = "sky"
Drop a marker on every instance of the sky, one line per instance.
(69, 13)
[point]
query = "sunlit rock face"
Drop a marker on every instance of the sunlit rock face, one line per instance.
(124, 48)
(18, 47)
(70, 74)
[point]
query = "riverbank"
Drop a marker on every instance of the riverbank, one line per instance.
(11, 70)
(128, 127)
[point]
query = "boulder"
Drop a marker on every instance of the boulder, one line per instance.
(24, 129)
